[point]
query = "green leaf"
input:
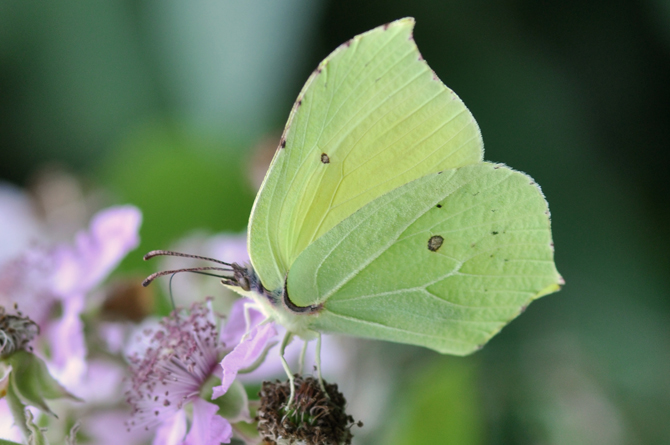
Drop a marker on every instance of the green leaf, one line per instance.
(17, 408)
(31, 382)
(8, 442)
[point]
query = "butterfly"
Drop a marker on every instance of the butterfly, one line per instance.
(378, 217)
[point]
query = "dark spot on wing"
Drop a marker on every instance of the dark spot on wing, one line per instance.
(439, 206)
(386, 26)
(347, 43)
(325, 159)
(282, 144)
(300, 102)
(496, 167)
(494, 233)
(435, 242)
(523, 308)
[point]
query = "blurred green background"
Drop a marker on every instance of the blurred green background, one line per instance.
(169, 105)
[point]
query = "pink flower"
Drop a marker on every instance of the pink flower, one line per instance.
(178, 359)
(43, 279)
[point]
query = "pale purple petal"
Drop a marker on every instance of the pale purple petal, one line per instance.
(8, 430)
(102, 383)
(114, 335)
(244, 355)
(26, 279)
(108, 428)
(68, 349)
(230, 248)
(172, 430)
(112, 234)
(236, 325)
(208, 428)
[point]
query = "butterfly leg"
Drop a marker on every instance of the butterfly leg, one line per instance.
(284, 343)
(318, 365)
(301, 362)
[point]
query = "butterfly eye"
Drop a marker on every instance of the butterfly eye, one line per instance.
(242, 280)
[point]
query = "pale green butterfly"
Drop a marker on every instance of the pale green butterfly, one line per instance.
(378, 217)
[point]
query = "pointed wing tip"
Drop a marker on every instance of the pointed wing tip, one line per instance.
(405, 22)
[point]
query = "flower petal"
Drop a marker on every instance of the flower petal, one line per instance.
(172, 430)
(236, 327)
(244, 355)
(208, 428)
(112, 234)
(68, 349)
(109, 428)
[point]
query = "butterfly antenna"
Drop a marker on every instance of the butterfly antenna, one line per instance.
(200, 270)
(155, 253)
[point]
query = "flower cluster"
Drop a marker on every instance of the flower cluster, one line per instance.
(184, 372)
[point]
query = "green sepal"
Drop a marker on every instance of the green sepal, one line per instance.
(17, 408)
(8, 442)
(36, 436)
(31, 382)
(71, 438)
(233, 405)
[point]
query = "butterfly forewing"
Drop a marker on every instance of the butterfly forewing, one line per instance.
(372, 117)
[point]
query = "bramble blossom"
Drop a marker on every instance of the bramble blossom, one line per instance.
(45, 280)
(180, 355)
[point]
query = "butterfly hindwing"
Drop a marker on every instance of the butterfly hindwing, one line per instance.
(444, 261)
(372, 117)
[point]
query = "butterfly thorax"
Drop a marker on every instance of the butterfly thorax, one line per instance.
(275, 304)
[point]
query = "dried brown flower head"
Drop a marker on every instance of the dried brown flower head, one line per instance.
(16, 331)
(312, 419)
